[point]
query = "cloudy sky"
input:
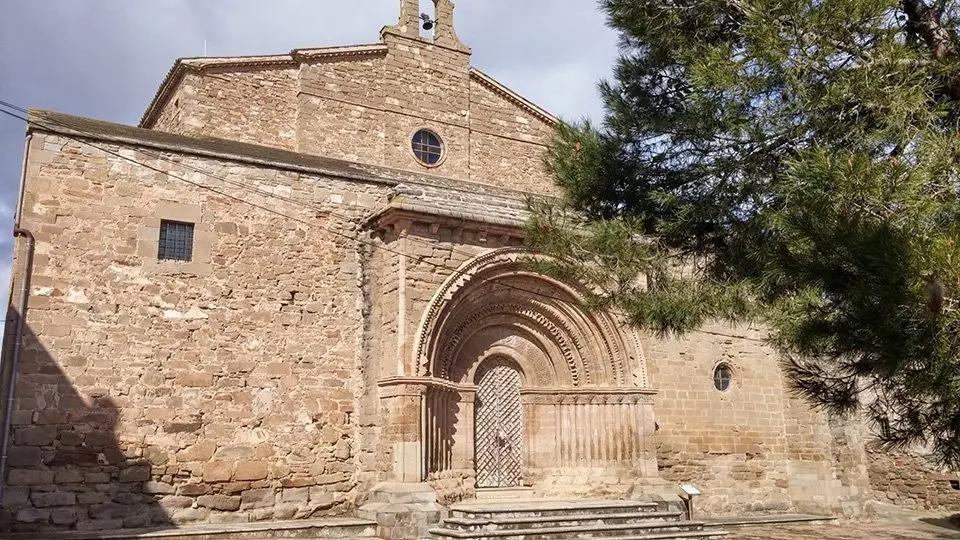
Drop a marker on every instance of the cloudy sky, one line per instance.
(105, 58)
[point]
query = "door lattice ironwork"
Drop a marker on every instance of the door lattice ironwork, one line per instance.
(499, 425)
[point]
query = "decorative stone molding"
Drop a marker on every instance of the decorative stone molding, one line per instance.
(583, 338)
(560, 334)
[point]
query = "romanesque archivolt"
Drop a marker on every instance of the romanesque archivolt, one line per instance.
(496, 290)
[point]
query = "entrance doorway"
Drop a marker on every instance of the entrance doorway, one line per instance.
(499, 427)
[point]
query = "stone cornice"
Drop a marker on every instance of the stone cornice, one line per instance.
(399, 211)
(513, 97)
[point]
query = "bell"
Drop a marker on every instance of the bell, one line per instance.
(427, 23)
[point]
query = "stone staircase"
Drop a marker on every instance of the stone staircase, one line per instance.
(542, 520)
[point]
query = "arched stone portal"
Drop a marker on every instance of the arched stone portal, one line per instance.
(585, 416)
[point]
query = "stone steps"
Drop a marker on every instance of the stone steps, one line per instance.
(649, 531)
(543, 520)
(504, 493)
(546, 508)
(500, 523)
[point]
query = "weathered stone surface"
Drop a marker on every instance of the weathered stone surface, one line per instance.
(42, 500)
(250, 470)
(298, 495)
(36, 436)
(219, 502)
(63, 516)
(23, 456)
(217, 471)
(158, 488)
(138, 473)
(68, 476)
(192, 490)
(29, 476)
(257, 498)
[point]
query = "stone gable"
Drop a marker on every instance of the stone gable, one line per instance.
(364, 103)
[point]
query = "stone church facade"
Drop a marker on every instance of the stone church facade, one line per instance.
(299, 283)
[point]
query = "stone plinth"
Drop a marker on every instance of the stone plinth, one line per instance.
(403, 511)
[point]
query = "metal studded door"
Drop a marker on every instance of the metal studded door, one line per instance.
(499, 421)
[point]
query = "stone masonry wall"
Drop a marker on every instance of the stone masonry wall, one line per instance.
(910, 480)
(366, 108)
(340, 106)
(506, 142)
(753, 448)
(251, 105)
(157, 392)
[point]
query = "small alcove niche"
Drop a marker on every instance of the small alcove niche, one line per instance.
(427, 25)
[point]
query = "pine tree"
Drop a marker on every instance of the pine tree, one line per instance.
(788, 162)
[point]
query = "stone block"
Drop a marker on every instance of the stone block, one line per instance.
(32, 515)
(217, 471)
(96, 478)
(250, 470)
(189, 515)
(55, 498)
(63, 516)
(298, 495)
(68, 476)
(175, 501)
(321, 498)
(158, 488)
(29, 477)
(92, 497)
(193, 490)
(16, 496)
(35, 436)
(234, 453)
(196, 379)
(23, 456)
(285, 511)
(219, 502)
(99, 439)
(202, 451)
(257, 498)
(136, 473)
(231, 488)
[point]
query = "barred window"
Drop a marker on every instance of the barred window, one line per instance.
(722, 376)
(427, 147)
(176, 241)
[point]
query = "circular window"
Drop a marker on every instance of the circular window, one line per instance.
(427, 147)
(722, 376)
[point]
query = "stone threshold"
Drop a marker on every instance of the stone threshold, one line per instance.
(771, 519)
(286, 528)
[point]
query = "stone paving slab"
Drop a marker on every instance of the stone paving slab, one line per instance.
(841, 530)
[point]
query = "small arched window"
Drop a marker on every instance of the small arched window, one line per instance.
(427, 147)
(722, 377)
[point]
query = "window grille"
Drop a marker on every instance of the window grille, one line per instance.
(427, 147)
(176, 241)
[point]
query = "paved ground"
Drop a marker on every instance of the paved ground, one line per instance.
(931, 528)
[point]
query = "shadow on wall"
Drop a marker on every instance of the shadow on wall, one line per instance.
(66, 467)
